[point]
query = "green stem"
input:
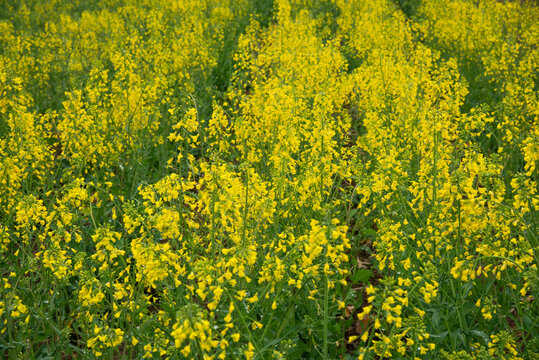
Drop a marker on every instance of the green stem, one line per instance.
(326, 305)
(280, 330)
(249, 335)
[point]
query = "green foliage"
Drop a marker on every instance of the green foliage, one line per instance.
(284, 179)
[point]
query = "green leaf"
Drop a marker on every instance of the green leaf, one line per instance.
(370, 232)
(482, 336)
(361, 275)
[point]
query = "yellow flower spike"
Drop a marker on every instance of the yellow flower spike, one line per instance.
(253, 299)
(249, 352)
(365, 336)
(186, 350)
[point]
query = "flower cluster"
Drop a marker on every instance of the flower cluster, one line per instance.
(288, 179)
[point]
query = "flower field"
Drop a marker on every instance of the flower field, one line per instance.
(257, 179)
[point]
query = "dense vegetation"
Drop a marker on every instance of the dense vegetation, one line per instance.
(283, 179)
